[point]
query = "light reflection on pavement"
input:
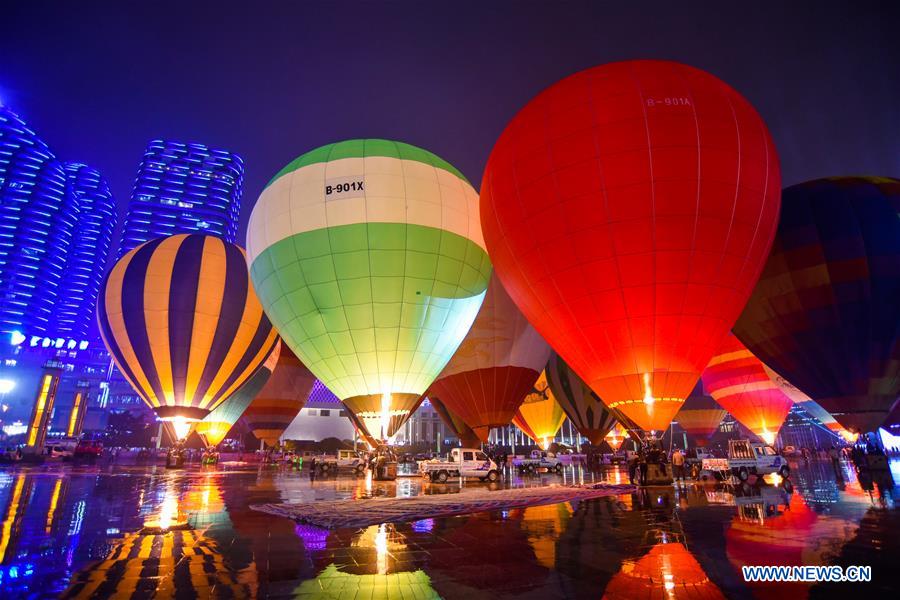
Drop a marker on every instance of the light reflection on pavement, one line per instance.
(139, 531)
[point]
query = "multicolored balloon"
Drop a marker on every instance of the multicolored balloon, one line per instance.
(738, 381)
(280, 399)
(540, 415)
(616, 437)
(183, 324)
(494, 368)
(368, 257)
(700, 416)
(585, 409)
(826, 311)
(813, 408)
(216, 425)
(628, 210)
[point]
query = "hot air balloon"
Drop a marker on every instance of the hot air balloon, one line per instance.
(183, 325)
(280, 399)
(467, 437)
(616, 437)
(495, 366)
(700, 416)
(739, 383)
(813, 408)
(368, 257)
(826, 311)
(584, 408)
(216, 425)
(628, 210)
(540, 415)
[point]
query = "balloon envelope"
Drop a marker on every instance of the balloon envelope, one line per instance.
(616, 437)
(739, 383)
(628, 210)
(700, 416)
(585, 409)
(495, 366)
(183, 324)
(826, 311)
(280, 399)
(368, 257)
(813, 408)
(467, 437)
(540, 415)
(216, 425)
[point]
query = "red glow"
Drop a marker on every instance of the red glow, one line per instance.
(628, 210)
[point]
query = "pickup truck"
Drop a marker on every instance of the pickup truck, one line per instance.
(538, 460)
(345, 459)
(463, 462)
(746, 458)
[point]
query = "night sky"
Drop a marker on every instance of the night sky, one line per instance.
(271, 80)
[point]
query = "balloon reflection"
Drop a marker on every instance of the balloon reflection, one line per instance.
(667, 571)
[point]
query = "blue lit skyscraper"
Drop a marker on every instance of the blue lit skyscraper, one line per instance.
(36, 220)
(88, 253)
(184, 188)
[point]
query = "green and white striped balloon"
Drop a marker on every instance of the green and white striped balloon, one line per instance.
(368, 257)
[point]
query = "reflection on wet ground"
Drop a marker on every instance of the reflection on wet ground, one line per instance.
(139, 531)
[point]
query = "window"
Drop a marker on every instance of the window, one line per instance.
(468, 456)
(480, 456)
(325, 413)
(312, 412)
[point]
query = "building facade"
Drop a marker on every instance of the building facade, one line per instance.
(184, 188)
(37, 218)
(323, 416)
(88, 253)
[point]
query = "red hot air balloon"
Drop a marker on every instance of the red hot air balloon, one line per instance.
(739, 383)
(628, 210)
(466, 436)
(495, 366)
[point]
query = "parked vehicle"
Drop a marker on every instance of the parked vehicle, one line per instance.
(88, 449)
(747, 458)
(345, 459)
(536, 461)
(462, 462)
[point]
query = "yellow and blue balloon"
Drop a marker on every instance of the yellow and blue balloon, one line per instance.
(183, 324)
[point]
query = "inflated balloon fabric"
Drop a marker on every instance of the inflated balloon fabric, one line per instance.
(628, 210)
(183, 324)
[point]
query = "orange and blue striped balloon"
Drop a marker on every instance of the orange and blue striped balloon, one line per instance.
(183, 323)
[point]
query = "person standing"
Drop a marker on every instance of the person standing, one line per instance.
(678, 465)
(835, 459)
(632, 467)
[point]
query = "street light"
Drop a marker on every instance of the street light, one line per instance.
(6, 386)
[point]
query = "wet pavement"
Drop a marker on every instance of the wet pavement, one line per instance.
(129, 531)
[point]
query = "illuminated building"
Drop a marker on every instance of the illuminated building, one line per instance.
(88, 254)
(323, 416)
(36, 221)
(426, 427)
(184, 188)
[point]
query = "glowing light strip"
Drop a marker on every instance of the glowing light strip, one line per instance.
(73, 419)
(39, 411)
(642, 401)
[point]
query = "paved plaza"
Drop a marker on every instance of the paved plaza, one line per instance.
(138, 531)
